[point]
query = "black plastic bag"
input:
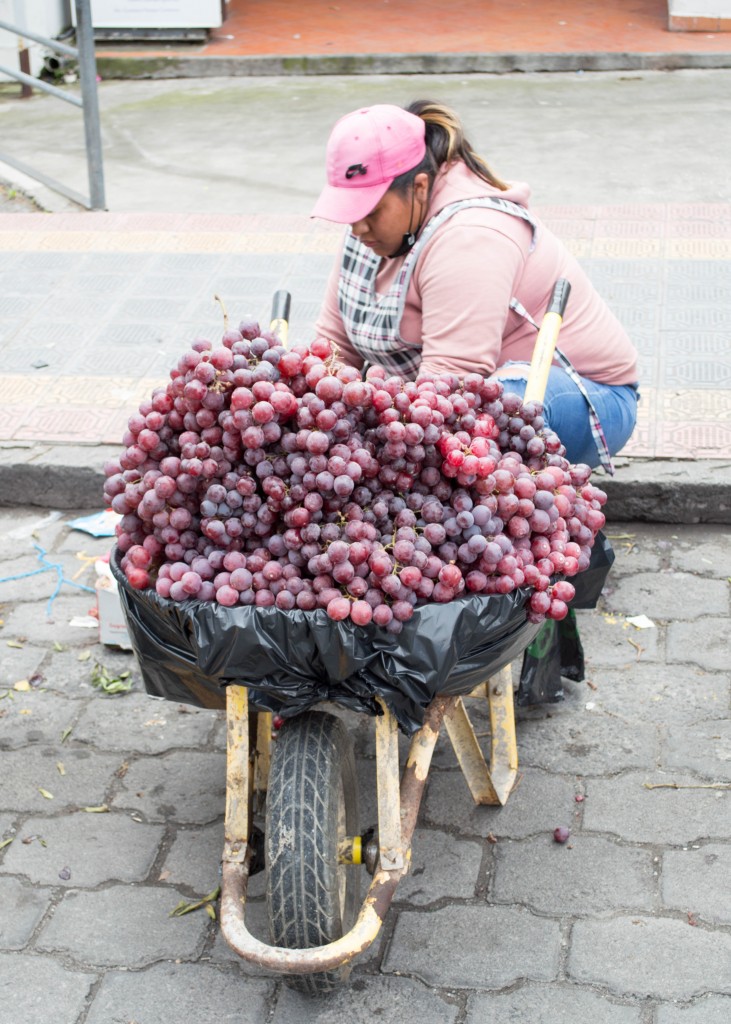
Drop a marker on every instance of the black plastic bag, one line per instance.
(590, 583)
(289, 660)
(556, 652)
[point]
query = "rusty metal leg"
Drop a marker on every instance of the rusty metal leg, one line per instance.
(263, 751)
(493, 785)
(380, 893)
(503, 744)
(471, 759)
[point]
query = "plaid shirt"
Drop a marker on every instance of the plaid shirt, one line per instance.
(373, 322)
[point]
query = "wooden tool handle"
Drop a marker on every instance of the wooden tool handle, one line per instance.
(546, 342)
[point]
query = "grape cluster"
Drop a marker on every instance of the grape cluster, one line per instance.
(278, 477)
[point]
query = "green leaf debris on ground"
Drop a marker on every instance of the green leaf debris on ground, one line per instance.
(186, 908)
(103, 680)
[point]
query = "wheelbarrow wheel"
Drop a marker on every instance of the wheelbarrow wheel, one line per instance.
(312, 804)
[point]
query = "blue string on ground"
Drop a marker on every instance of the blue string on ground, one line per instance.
(48, 567)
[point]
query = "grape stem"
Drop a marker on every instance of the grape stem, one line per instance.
(334, 357)
(219, 300)
(219, 384)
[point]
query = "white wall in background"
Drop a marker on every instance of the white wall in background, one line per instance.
(156, 13)
(44, 17)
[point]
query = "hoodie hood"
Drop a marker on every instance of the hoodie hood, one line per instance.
(457, 182)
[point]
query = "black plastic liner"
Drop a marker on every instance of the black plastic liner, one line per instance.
(590, 583)
(190, 651)
(289, 660)
(556, 653)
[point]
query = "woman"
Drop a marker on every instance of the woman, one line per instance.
(445, 269)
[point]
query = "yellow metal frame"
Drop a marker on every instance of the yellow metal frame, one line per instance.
(487, 785)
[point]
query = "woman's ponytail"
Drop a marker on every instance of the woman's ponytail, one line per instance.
(446, 142)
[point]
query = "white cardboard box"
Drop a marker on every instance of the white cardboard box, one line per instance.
(112, 625)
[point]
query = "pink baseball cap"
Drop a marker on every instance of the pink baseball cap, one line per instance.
(365, 152)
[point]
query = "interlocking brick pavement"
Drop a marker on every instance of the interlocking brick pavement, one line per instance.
(495, 918)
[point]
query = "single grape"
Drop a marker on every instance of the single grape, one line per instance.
(338, 608)
(557, 610)
(361, 613)
(191, 583)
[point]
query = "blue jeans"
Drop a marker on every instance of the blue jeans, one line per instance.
(567, 413)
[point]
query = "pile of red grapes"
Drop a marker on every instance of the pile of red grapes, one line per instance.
(278, 477)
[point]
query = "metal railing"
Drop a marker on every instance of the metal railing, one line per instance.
(84, 53)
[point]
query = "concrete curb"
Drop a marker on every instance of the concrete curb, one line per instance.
(669, 491)
(67, 476)
(182, 66)
(44, 197)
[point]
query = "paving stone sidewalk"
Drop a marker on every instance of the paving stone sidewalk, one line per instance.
(628, 923)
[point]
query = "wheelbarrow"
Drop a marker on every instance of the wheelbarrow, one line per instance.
(302, 767)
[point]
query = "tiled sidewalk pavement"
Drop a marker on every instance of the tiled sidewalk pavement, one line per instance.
(628, 923)
(96, 308)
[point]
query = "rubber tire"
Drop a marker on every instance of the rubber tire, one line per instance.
(312, 781)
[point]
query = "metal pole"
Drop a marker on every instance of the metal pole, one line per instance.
(38, 83)
(52, 44)
(92, 129)
(24, 62)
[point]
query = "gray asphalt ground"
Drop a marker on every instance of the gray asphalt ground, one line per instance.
(630, 921)
(257, 145)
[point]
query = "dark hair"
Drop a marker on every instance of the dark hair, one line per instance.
(445, 144)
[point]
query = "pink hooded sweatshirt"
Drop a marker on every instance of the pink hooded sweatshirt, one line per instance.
(458, 299)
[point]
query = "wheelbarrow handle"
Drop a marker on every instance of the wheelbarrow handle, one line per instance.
(546, 342)
(281, 304)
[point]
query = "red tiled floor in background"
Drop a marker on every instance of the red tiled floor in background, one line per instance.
(316, 27)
